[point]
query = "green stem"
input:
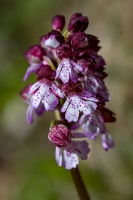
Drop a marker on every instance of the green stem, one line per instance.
(82, 192)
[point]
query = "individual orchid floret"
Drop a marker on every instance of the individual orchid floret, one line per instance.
(30, 110)
(66, 71)
(96, 86)
(34, 56)
(78, 23)
(107, 141)
(92, 124)
(83, 66)
(98, 60)
(46, 92)
(67, 147)
(76, 103)
(53, 39)
(58, 22)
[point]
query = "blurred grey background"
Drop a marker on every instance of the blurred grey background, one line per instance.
(28, 170)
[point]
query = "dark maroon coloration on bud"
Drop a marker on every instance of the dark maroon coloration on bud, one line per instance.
(53, 39)
(85, 64)
(78, 23)
(34, 54)
(107, 114)
(45, 71)
(93, 42)
(58, 22)
(79, 40)
(72, 87)
(59, 135)
(63, 51)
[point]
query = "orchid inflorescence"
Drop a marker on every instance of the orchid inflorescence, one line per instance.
(70, 80)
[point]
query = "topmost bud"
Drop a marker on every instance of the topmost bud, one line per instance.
(58, 22)
(78, 23)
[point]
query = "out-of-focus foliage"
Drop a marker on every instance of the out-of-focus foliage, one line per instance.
(27, 166)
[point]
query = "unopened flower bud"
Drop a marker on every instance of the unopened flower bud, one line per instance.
(58, 22)
(93, 42)
(34, 54)
(78, 23)
(107, 114)
(79, 40)
(59, 135)
(53, 39)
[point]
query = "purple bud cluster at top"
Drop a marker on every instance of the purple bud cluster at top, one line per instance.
(69, 80)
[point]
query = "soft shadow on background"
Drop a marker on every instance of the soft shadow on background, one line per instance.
(27, 166)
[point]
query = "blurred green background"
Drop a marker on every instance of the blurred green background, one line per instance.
(28, 170)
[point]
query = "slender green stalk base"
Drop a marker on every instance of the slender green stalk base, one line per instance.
(82, 192)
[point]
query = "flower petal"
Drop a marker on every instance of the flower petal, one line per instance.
(87, 107)
(57, 90)
(38, 96)
(65, 106)
(70, 160)
(29, 114)
(79, 147)
(40, 109)
(64, 74)
(58, 156)
(107, 141)
(72, 112)
(34, 87)
(50, 101)
(31, 69)
(73, 75)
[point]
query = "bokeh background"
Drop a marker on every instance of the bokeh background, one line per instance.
(28, 170)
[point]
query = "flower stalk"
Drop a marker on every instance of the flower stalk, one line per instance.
(79, 184)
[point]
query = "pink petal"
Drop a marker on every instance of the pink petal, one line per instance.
(58, 70)
(94, 125)
(29, 114)
(79, 147)
(72, 112)
(40, 109)
(57, 90)
(64, 74)
(65, 106)
(50, 101)
(73, 75)
(34, 87)
(77, 67)
(70, 160)
(58, 156)
(32, 68)
(107, 141)
(87, 107)
(37, 97)
(52, 42)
